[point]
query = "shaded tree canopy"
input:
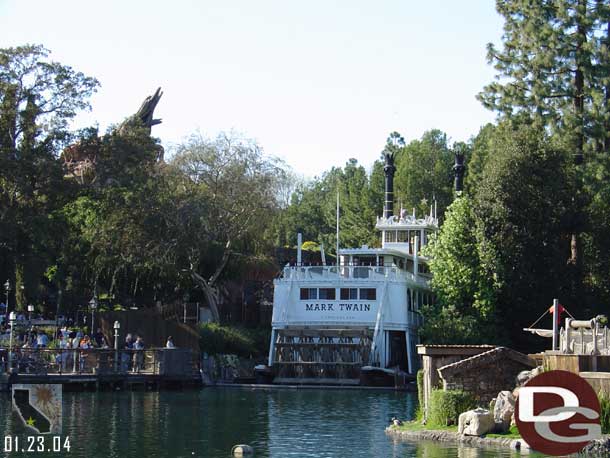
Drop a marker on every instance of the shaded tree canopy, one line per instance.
(38, 97)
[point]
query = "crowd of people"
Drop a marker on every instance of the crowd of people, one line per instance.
(28, 338)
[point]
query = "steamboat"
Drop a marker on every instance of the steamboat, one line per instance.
(355, 321)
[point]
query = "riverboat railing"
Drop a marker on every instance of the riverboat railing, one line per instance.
(39, 361)
(357, 273)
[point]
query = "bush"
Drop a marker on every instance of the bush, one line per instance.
(310, 246)
(446, 406)
(419, 413)
(215, 339)
(604, 418)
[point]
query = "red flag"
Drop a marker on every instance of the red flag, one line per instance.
(560, 310)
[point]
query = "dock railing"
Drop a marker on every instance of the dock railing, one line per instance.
(44, 361)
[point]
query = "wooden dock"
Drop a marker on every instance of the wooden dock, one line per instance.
(107, 382)
(81, 370)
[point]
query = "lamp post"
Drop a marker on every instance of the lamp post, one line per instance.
(117, 326)
(7, 289)
(93, 305)
(12, 320)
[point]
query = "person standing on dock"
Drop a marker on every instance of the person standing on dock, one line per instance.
(170, 342)
(42, 340)
(138, 355)
(63, 355)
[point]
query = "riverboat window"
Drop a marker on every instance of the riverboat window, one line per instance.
(349, 294)
(368, 294)
(309, 293)
(390, 236)
(403, 236)
(327, 293)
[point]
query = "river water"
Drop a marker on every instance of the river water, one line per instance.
(207, 423)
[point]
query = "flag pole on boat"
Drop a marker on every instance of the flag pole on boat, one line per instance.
(337, 251)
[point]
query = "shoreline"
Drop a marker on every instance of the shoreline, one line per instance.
(453, 436)
(597, 448)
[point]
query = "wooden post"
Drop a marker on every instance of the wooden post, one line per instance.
(555, 315)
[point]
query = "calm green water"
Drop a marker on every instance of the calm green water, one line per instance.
(207, 423)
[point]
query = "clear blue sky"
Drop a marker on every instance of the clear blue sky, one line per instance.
(313, 82)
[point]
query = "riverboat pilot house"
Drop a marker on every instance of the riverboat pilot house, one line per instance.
(332, 321)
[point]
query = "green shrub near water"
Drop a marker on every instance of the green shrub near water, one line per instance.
(215, 338)
(604, 418)
(446, 406)
(419, 413)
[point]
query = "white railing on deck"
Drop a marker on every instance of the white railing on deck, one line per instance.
(353, 273)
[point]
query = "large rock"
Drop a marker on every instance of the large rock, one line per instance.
(526, 376)
(476, 422)
(503, 410)
(523, 377)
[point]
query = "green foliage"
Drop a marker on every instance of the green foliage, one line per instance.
(446, 406)
(512, 433)
(226, 339)
(604, 418)
(464, 309)
(312, 210)
(423, 173)
(479, 150)
(38, 97)
(310, 246)
(521, 210)
(553, 66)
(419, 413)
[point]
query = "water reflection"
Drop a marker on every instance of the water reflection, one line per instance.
(207, 423)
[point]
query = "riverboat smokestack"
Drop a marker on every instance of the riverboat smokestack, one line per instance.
(394, 143)
(389, 169)
(458, 170)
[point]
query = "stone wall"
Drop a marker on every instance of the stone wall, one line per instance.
(437, 356)
(487, 380)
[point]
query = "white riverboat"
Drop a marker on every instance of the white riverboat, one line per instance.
(332, 323)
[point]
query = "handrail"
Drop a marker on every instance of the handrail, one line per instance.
(96, 361)
(317, 273)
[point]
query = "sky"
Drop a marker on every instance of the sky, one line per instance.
(312, 82)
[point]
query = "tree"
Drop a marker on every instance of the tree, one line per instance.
(313, 207)
(38, 97)
(553, 72)
(521, 207)
(112, 220)
(464, 310)
(553, 69)
(424, 173)
(478, 152)
(226, 198)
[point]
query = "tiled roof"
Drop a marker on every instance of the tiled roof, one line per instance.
(485, 358)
